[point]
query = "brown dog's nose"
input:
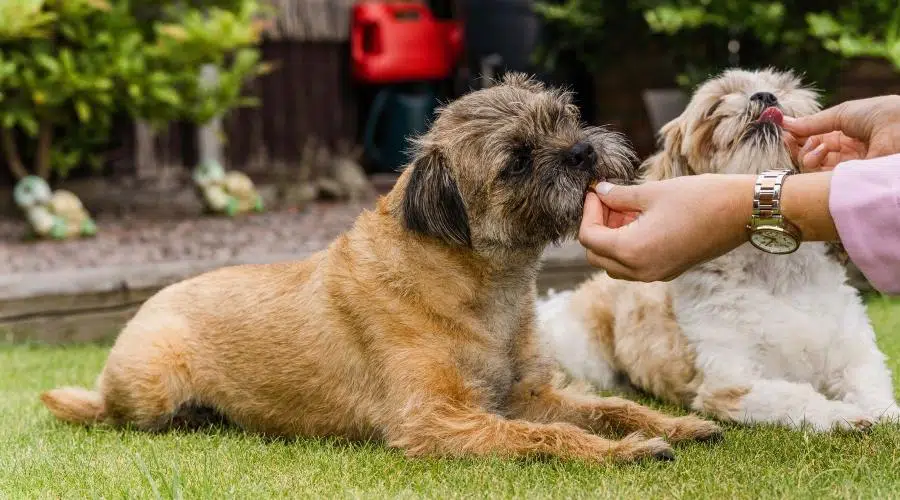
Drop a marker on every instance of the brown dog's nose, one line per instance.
(581, 154)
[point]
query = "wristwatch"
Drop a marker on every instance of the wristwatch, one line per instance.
(769, 230)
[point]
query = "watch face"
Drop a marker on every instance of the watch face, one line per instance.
(773, 240)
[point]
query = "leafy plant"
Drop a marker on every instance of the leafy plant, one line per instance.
(590, 30)
(702, 37)
(763, 19)
(69, 68)
(860, 29)
(24, 19)
(187, 40)
(53, 76)
(758, 33)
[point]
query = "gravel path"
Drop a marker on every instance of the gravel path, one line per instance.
(135, 239)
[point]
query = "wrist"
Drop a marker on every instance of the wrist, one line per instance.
(804, 202)
(737, 206)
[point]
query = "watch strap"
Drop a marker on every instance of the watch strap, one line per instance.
(767, 201)
(767, 194)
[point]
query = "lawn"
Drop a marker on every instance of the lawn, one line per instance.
(40, 458)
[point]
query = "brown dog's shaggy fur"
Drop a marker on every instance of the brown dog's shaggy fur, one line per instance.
(416, 326)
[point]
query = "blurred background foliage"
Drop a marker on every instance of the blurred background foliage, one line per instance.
(813, 37)
(69, 68)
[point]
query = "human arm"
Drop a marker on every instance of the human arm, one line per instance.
(865, 205)
(657, 230)
(864, 198)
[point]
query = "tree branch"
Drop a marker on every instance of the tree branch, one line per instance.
(45, 141)
(11, 152)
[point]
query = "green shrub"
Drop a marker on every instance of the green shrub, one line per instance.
(68, 68)
(868, 28)
(701, 37)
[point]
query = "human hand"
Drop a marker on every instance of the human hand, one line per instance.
(826, 151)
(657, 230)
(865, 128)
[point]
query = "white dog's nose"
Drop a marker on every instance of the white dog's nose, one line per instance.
(766, 98)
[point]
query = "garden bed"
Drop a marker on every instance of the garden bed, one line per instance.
(140, 239)
(84, 290)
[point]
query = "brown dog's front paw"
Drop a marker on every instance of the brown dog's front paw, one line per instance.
(636, 447)
(691, 428)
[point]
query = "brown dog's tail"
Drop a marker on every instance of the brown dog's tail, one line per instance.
(75, 405)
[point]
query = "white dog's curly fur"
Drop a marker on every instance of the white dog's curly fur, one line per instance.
(748, 337)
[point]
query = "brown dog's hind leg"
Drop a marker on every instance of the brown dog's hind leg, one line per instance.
(148, 397)
(449, 430)
(127, 395)
(148, 384)
(607, 415)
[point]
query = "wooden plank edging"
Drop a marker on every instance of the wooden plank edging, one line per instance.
(93, 304)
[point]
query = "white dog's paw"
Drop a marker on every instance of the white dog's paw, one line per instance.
(889, 415)
(849, 420)
(843, 417)
(857, 423)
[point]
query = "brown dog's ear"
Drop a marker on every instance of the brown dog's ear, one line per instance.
(669, 162)
(432, 203)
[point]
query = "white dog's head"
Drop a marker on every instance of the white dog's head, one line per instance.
(732, 125)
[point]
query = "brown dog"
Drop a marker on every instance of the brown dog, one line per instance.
(416, 326)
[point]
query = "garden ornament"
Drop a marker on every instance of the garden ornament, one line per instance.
(323, 160)
(230, 192)
(324, 173)
(58, 215)
(349, 174)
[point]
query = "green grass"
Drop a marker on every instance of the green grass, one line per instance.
(40, 458)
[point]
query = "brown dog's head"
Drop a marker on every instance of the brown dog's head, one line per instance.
(732, 125)
(507, 168)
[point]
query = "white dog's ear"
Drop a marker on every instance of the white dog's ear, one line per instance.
(432, 203)
(668, 162)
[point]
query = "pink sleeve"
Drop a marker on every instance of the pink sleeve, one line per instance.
(865, 205)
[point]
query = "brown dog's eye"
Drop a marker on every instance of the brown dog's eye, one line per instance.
(519, 164)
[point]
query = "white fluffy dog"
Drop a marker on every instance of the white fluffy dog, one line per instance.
(749, 337)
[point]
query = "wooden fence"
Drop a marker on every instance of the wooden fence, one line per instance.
(309, 95)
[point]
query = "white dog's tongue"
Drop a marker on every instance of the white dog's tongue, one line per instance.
(773, 115)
